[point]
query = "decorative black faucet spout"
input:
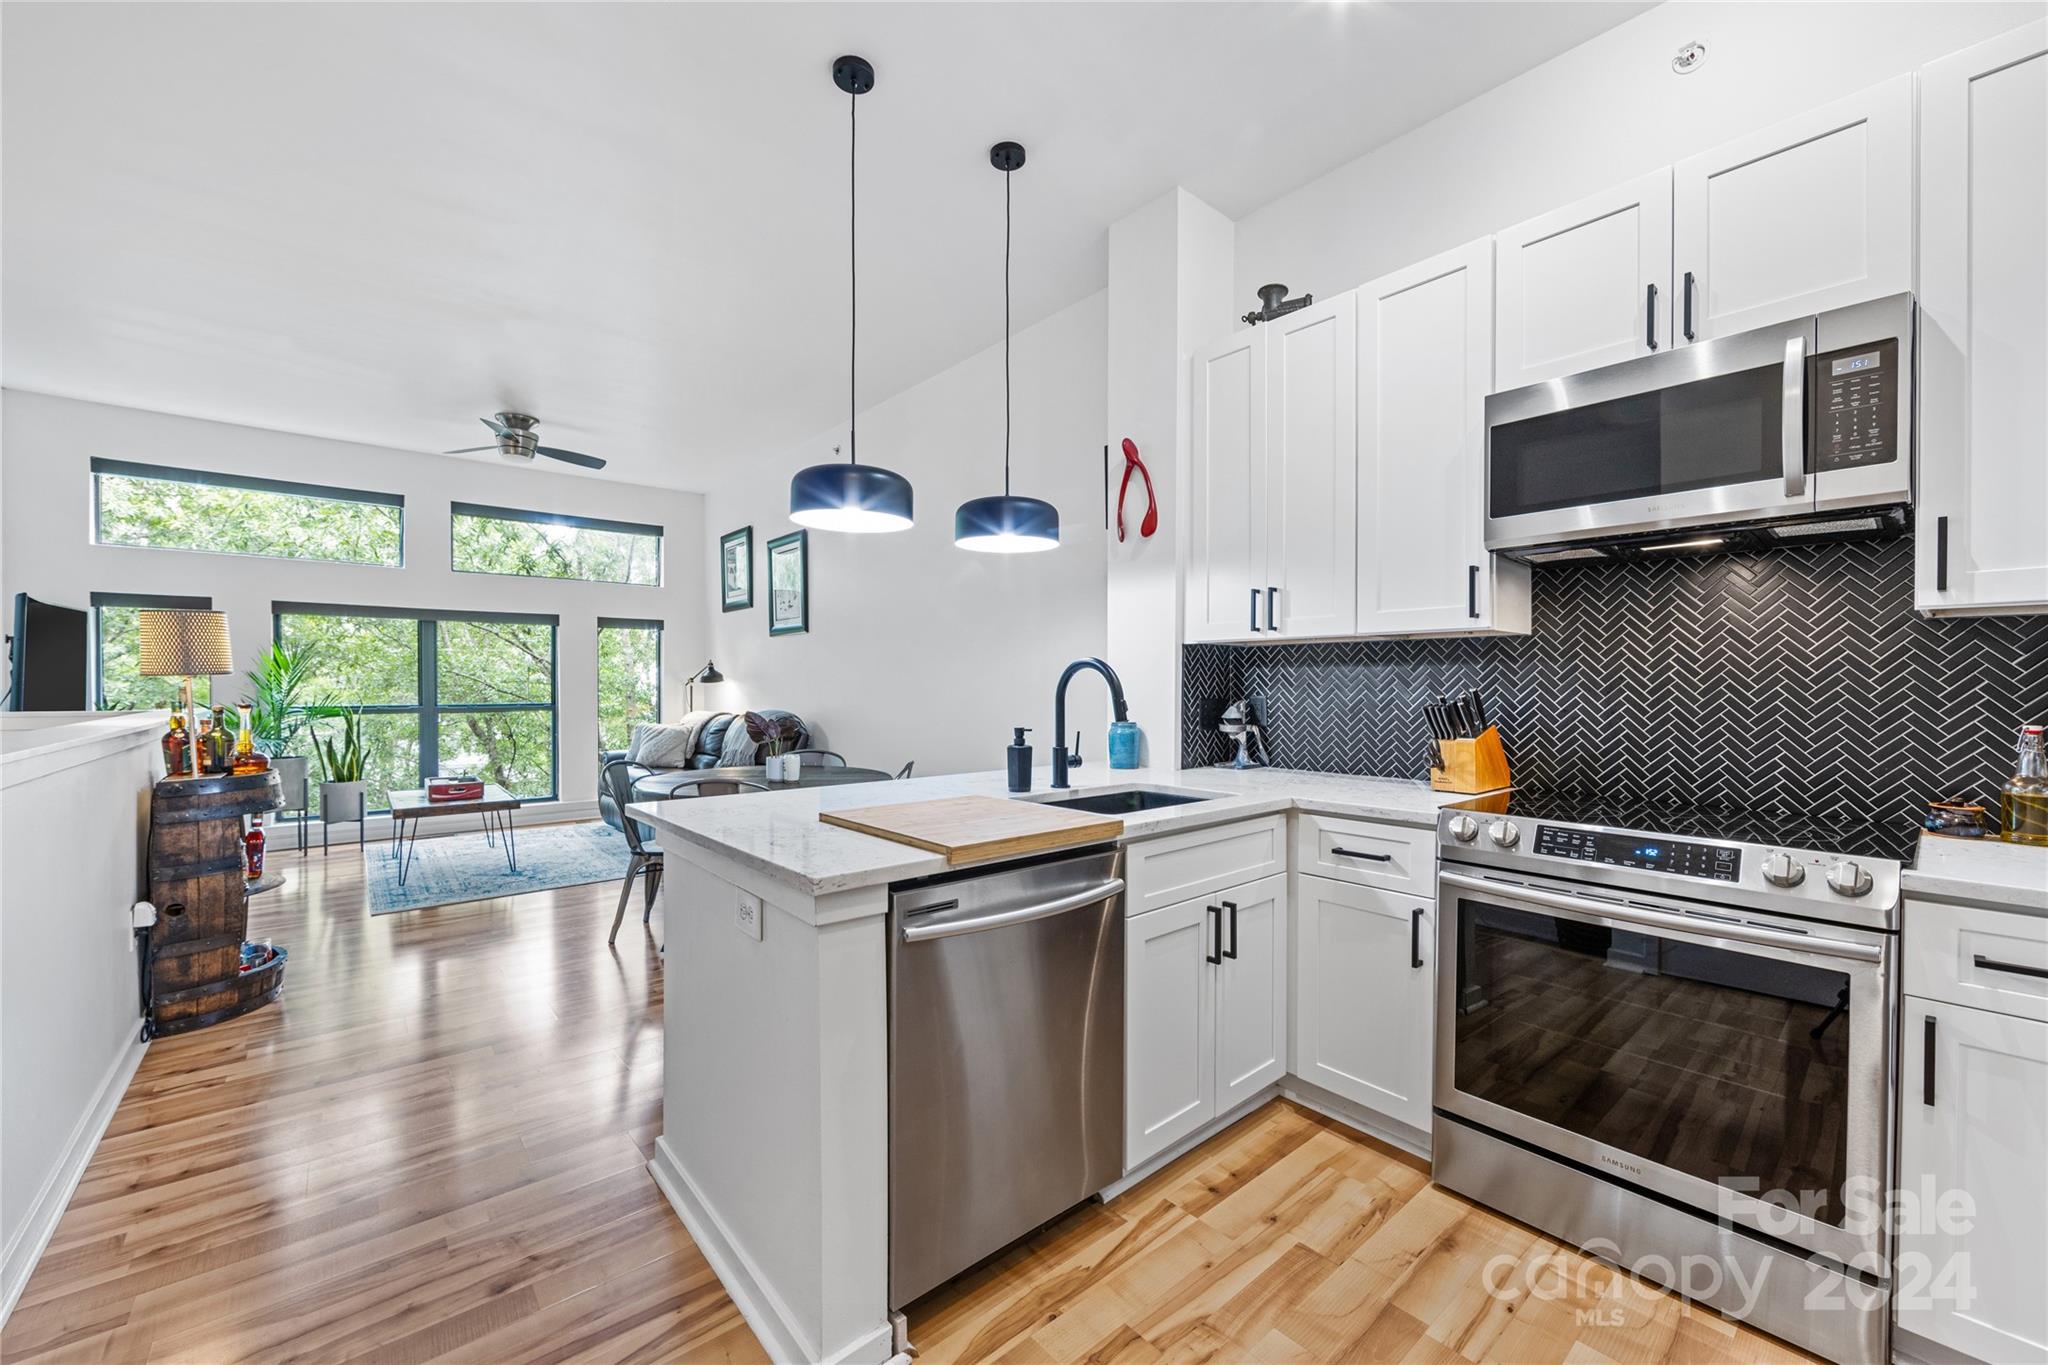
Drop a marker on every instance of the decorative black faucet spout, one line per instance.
(1059, 710)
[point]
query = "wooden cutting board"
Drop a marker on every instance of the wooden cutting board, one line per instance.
(970, 829)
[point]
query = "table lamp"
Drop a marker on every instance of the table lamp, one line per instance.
(184, 644)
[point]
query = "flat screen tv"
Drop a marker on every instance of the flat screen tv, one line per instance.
(48, 658)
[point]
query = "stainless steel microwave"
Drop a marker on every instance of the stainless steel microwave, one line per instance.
(1786, 432)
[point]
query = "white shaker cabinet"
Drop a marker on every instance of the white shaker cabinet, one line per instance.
(1585, 285)
(1973, 1108)
(1311, 470)
(1226, 574)
(1425, 352)
(1982, 542)
(1205, 1011)
(1806, 215)
(1365, 982)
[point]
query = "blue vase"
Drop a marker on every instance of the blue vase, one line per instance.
(1123, 744)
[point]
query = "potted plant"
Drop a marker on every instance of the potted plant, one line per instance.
(773, 735)
(341, 769)
(278, 715)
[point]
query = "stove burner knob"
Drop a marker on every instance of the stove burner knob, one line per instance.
(1847, 879)
(1464, 828)
(1780, 870)
(1504, 833)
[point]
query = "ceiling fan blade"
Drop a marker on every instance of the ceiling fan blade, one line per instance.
(496, 426)
(468, 450)
(569, 456)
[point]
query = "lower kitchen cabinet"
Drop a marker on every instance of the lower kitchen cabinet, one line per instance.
(1973, 1109)
(1205, 1011)
(1365, 978)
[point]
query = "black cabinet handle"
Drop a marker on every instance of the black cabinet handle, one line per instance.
(1650, 320)
(1941, 554)
(1688, 308)
(1255, 611)
(1415, 938)
(1354, 853)
(1472, 591)
(1214, 956)
(1927, 1065)
(1231, 951)
(1271, 593)
(1991, 964)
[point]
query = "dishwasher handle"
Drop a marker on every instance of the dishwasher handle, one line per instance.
(1022, 914)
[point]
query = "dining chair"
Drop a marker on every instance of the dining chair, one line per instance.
(640, 842)
(904, 771)
(722, 786)
(816, 758)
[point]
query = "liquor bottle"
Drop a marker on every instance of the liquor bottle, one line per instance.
(252, 850)
(202, 751)
(247, 760)
(2023, 805)
(219, 756)
(174, 747)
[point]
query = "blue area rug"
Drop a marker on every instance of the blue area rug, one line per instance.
(462, 867)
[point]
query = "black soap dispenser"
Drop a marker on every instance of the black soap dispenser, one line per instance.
(1020, 762)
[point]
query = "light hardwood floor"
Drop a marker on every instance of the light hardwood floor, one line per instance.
(433, 1147)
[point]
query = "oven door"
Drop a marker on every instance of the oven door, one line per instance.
(1735, 1063)
(1708, 434)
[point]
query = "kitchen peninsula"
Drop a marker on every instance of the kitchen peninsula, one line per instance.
(775, 1131)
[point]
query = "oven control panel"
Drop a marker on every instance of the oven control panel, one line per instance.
(1715, 862)
(1854, 421)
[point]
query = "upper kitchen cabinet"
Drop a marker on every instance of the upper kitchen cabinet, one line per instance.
(1312, 469)
(1425, 355)
(1982, 542)
(1586, 285)
(1226, 578)
(1810, 214)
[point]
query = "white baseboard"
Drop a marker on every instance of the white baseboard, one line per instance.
(1393, 1132)
(1187, 1144)
(781, 1335)
(25, 1248)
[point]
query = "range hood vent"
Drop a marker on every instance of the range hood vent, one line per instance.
(1746, 537)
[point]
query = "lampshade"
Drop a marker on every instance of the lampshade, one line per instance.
(177, 644)
(850, 497)
(710, 674)
(1006, 525)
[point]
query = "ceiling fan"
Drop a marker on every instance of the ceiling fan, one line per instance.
(516, 441)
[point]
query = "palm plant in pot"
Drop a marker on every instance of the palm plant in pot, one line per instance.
(279, 715)
(341, 768)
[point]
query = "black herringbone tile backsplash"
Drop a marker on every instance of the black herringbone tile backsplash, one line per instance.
(1798, 680)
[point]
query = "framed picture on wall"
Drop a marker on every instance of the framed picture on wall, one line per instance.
(789, 586)
(736, 569)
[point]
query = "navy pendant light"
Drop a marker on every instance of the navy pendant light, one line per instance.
(851, 496)
(1006, 524)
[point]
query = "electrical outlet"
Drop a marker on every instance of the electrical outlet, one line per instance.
(749, 920)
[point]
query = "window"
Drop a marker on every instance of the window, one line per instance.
(117, 648)
(439, 692)
(540, 545)
(233, 514)
(628, 678)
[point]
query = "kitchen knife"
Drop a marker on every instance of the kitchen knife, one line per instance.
(1479, 711)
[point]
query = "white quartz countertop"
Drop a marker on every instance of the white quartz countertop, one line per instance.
(779, 834)
(1980, 872)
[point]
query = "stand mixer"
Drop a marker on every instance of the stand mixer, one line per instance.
(1240, 722)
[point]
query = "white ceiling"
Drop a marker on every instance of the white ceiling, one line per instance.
(376, 221)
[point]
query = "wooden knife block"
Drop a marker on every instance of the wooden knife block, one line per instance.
(1472, 765)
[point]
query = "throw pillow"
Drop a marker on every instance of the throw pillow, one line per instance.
(740, 749)
(667, 746)
(640, 732)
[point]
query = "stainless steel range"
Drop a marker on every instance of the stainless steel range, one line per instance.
(1666, 1036)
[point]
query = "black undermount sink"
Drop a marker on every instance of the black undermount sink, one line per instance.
(1127, 802)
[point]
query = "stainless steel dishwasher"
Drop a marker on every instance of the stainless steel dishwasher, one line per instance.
(1006, 1058)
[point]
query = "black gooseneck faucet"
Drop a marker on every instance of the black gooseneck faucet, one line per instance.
(1059, 710)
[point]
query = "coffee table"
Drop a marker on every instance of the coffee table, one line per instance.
(410, 807)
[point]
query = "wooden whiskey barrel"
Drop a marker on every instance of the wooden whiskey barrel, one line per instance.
(196, 884)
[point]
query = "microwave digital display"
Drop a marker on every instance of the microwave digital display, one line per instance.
(1854, 396)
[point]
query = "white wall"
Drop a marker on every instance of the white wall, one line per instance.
(918, 650)
(1607, 110)
(46, 549)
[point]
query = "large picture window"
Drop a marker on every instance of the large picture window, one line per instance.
(160, 508)
(439, 691)
(628, 678)
(117, 648)
(542, 545)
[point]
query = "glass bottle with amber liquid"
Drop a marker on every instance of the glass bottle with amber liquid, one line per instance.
(174, 748)
(247, 760)
(2023, 804)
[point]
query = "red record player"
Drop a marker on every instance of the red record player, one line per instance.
(455, 789)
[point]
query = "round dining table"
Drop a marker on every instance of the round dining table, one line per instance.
(675, 782)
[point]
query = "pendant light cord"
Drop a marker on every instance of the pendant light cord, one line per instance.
(853, 278)
(1006, 332)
